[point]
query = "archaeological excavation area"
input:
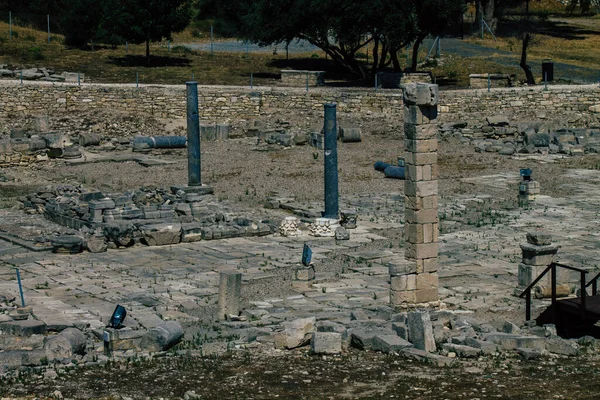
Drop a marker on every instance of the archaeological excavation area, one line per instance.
(208, 241)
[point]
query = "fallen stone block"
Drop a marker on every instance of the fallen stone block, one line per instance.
(529, 354)
(461, 350)
(64, 345)
(422, 355)
(161, 234)
(23, 328)
(326, 343)
(421, 330)
(389, 343)
(162, 337)
(485, 347)
(562, 346)
(295, 333)
(330, 326)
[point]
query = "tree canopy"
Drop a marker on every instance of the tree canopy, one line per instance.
(341, 28)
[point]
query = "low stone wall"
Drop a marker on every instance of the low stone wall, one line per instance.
(524, 102)
(223, 103)
(299, 78)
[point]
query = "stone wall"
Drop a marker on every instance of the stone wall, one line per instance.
(523, 102)
(217, 103)
(221, 103)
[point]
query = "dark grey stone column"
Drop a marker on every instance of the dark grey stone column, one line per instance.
(331, 163)
(193, 135)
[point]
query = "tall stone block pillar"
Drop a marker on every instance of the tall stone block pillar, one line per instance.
(419, 282)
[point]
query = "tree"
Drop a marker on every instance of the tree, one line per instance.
(341, 28)
(433, 18)
(80, 21)
(145, 21)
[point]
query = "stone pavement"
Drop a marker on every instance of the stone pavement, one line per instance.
(479, 256)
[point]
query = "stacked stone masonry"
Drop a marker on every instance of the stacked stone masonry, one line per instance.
(218, 103)
(421, 197)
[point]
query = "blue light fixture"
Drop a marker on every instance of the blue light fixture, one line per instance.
(526, 174)
(116, 321)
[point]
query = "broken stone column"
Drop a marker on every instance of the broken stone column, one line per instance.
(419, 284)
(230, 287)
(538, 253)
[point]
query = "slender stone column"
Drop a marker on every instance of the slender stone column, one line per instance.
(419, 284)
(230, 287)
(193, 135)
(331, 163)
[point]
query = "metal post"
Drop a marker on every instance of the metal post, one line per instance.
(307, 81)
(489, 83)
(193, 135)
(251, 83)
(169, 45)
(48, 28)
(553, 284)
(137, 80)
(331, 163)
(583, 295)
(211, 40)
(20, 287)
(10, 24)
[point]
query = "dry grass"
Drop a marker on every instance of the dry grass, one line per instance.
(574, 41)
(29, 48)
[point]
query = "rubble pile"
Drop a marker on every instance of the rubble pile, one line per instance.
(26, 341)
(499, 135)
(148, 215)
(438, 336)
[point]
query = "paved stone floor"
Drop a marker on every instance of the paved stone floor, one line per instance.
(479, 259)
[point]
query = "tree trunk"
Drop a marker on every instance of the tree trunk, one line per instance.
(523, 64)
(415, 52)
(395, 61)
(375, 55)
(147, 53)
(489, 14)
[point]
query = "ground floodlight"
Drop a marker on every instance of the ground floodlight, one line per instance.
(526, 174)
(306, 255)
(116, 321)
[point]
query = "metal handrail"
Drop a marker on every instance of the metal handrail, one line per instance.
(594, 283)
(552, 268)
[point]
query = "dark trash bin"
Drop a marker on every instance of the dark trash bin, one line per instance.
(547, 71)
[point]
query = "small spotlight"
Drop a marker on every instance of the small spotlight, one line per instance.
(116, 321)
(526, 174)
(306, 255)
